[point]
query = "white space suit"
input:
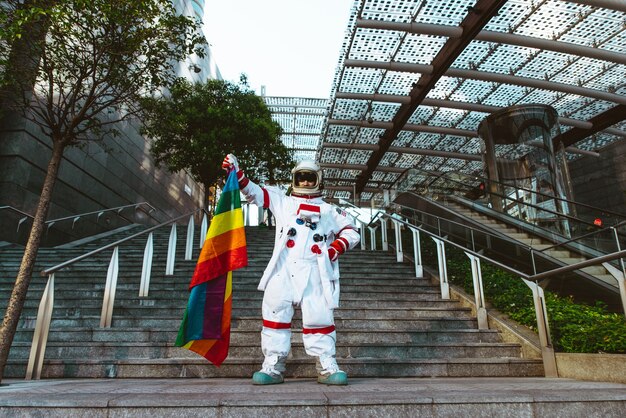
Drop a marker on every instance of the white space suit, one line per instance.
(309, 234)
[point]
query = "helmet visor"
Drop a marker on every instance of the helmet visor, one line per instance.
(310, 177)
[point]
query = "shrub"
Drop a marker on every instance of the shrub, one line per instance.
(575, 327)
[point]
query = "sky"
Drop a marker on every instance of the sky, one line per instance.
(291, 47)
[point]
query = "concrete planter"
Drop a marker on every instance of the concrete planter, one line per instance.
(598, 367)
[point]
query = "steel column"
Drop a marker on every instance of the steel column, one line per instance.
(443, 270)
(40, 335)
(189, 243)
(543, 328)
(146, 269)
(171, 252)
(398, 233)
(417, 252)
(479, 294)
(383, 234)
(109, 290)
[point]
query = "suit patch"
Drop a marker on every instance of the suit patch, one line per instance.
(341, 212)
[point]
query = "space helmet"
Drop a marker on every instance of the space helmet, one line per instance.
(306, 170)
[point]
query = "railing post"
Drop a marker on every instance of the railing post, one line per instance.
(40, 335)
(171, 252)
(619, 248)
(479, 294)
(21, 221)
(443, 270)
(260, 214)
(109, 291)
(621, 282)
(619, 275)
(189, 243)
(362, 230)
(547, 350)
(203, 229)
(146, 269)
(383, 234)
(372, 237)
(398, 233)
(417, 252)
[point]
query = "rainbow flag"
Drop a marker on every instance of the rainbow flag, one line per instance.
(205, 328)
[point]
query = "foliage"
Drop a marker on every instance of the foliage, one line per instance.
(93, 61)
(197, 124)
(574, 327)
(75, 68)
(580, 328)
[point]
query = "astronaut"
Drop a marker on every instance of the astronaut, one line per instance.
(303, 271)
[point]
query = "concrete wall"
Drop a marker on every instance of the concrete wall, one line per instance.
(103, 174)
(601, 181)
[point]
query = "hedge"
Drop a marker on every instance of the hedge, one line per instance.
(574, 327)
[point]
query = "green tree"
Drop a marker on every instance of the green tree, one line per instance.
(88, 73)
(197, 124)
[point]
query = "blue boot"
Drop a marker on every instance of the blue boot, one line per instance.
(328, 373)
(261, 378)
(337, 378)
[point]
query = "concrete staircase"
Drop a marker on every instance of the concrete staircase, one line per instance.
(390, 323)
(561, 254)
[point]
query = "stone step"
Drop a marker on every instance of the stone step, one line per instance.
(241, 310)
(426, 319)
(159, 258)
(557, 253)
(363, 397)
(374, 300)
(152, 307)
(536, 244)
(608, 279)
(572, 260)
(296, 367)
(252, 335)
(252, 349)
(390, 324)
(183, 278)
(595, 270)
(239, 280)
(183, 295)
(136, 249)
(135, 254)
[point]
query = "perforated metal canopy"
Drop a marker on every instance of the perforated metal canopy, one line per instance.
(302, 121)
(417, 77)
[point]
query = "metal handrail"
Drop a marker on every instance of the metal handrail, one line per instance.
(509, 269)
(484, 180)
(60, 266)
(503, 237)
(550, 211)
(584, 236)
(541, 312)
(599, 229)
(80, 215)
(537, 207)
(75, 218)
(572, 202)
(44, 314)
(16, 210)
(472, 229)
(100, 212)
(566, 242)
(542, 252)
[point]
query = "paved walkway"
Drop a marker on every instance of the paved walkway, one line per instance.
(484, 397)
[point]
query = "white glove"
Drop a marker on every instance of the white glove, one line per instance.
(230, 163)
